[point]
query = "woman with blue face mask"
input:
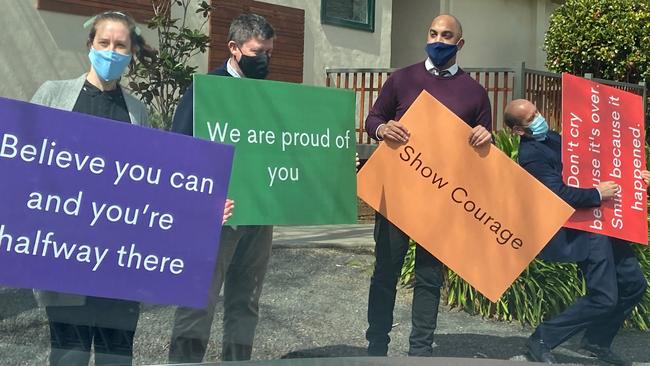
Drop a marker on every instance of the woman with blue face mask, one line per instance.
(77, 323)
(113, 44)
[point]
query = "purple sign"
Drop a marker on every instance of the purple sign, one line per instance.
(96, 207)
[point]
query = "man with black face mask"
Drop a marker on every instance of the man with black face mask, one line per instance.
(441, 77)
(244, 250)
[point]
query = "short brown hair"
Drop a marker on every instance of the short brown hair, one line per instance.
(142, 49)
(248, 26)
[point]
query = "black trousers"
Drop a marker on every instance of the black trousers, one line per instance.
(615, 285)
(108, 324)
(391, 245)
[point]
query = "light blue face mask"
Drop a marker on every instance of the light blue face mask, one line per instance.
(538, 128)
(109, 65)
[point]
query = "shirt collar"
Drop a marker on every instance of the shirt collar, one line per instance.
(453, 69)
(92, 90)
(231, 70)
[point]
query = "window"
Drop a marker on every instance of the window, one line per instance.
(358, 14)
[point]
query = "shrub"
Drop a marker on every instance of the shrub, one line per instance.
(608, 38)
(543, 288)
(161, 81)
(541, 291)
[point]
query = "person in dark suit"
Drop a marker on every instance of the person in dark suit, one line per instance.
(244, 250)
(615, 282)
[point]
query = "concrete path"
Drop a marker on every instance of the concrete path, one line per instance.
(313, 306)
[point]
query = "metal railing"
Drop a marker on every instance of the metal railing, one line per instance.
(499, 84)
(367, 83)
(544, 89)
(540, 87)
(638, 89)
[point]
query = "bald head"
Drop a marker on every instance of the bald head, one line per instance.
(445, 29)
(450, 23)
(518, 115)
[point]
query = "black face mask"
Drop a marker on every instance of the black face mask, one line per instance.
(254, 67)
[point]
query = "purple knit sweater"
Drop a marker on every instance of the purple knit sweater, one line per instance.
(460, 93)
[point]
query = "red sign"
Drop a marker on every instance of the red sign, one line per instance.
(603, 140)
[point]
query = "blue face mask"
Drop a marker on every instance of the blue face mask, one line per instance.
(538, 128)
(440, 53)
(109, 65)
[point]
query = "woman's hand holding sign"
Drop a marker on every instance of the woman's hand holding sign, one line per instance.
(227, 210)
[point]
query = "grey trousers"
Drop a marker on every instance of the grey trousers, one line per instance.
(241, 265)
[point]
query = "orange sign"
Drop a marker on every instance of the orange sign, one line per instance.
(474, 209)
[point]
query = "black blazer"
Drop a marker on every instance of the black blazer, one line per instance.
(543, 160)
(183, 121)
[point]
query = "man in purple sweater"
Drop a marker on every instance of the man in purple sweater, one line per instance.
(441, 77)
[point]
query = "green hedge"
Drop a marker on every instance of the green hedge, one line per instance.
(608, 38)
(543, 289)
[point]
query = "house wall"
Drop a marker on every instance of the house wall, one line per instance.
(328, 46)
(498, 33)
(40, 45)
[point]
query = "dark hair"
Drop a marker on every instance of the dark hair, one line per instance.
(143, 52)
(249, 26)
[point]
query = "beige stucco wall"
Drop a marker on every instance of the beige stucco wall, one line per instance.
(40, 45)
(43, 45)
(498, 33)
(329, 46)
(37, 46)
(411, 21)
(193, 21)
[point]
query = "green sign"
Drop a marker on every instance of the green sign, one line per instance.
(294, 148)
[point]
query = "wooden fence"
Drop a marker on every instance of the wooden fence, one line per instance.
(544, 89)
(367, 83)
(541, 87)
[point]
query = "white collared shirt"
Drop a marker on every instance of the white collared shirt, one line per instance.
(453, 69)
(231, 70)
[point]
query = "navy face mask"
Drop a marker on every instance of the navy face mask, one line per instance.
(440, 53)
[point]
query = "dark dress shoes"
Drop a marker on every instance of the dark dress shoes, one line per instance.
(377, 349)
(538, 351)
(604, 354)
